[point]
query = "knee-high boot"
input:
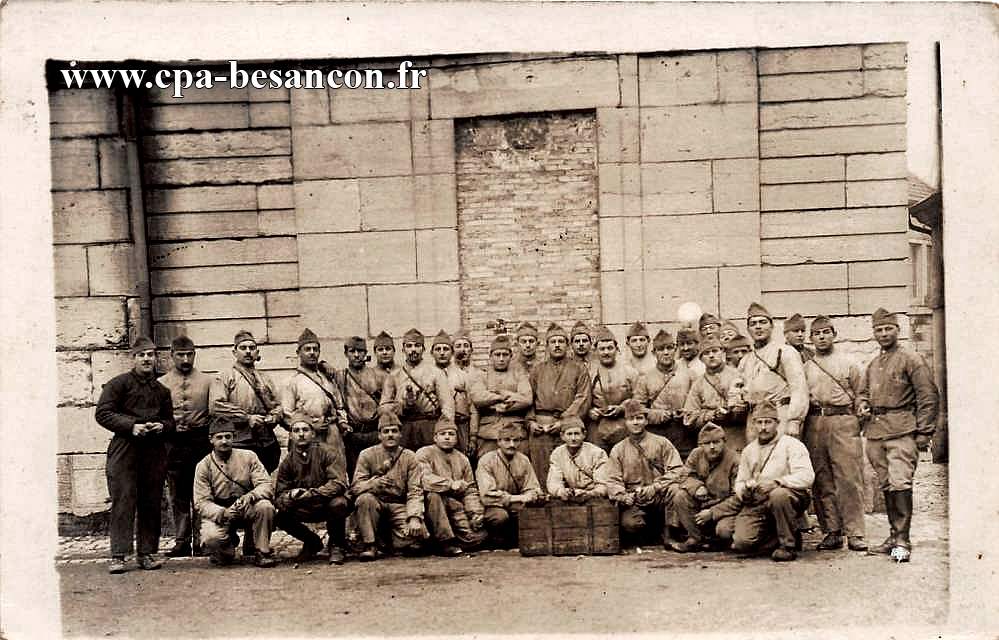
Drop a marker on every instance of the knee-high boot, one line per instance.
(886, 546)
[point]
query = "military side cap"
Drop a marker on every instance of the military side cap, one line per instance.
(509, 430)
(709, 429)
(242, 336)
(307, 337)
(142, 343)
(460, 337)
(443, 424)
(738, 341)
(383, 339)
(711, 343)
(633, 408)
(882, 316)
(182, 343)
(579, 327)
(414, 335)
(442, 338)
(527, 329)
(687, 335)
(794, 323)
(662, 340)
(728, 324)
(568, 423)
(604, 334)
(638, 329)
(299, 417)
(756, 309)
(555, 329)
(355, 342)
(388, 419)
(221, 424)
(708, 319)
(764, 410)
(501, 341)
(821, 322)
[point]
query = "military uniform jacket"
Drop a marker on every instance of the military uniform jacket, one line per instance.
(362, 392)
(645, 364)
(233, 396)
(899, 379)
(484, 393)
(789, 464)
(439, 468)
(707, 393)
(775, 372)
(460, 381)
(129, 398)
(218, 481)
(515, 477)
(651, 461)
(718, 478)
(833, 380)
(663, 393)
(190, 398)
(694, 368)
(560, 386)
(319, 469)
(312, 394)
(400, 467)
(434, 400)
(584, 471)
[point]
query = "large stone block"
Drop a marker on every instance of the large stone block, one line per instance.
(244, 277)
(208, 333)
(80, 217)
(806, 195)
(74, 164)
(215, 306)
(884, 246)
(387, 203)
(335, 312)
(70, 270)
(276, 222)
(617, 135)
(804, 277)
(885, 56)
(666, 290)
(357, 258)
(708, 240)
(217, 144)
(110, 270)
(325, 206)
(832, 113)
(737, 80)
(882, 273)
(805, 169)
(735, 185)
(352, 150)
(275, 196)
(274, 359)
(83, 112)
(834, 222)
(876, 166)
(435, 201)
(678, 79)
(436, 255)
(620, 189)
(428, 307)
(114, 163)
(611, 244)
(807, 303)
(699, 132)
(283, 303)
(676, 187)
(218, 171)
(270, 114)
(309, 106)
(885, 82)
(877, 193)
(196, 95)
(622, 297)
(372, 105)
(737, 288)
(286, 329)
(867, 300)
(517, 87)
(627, 70)
(207, 253)
(806, 59)
(812, 86)
(73, 378)
(187, 117)
(809, 142)
(433, 146)
(858, 328)
(90, 323)
(106, 365)
(195, 226)
(79, 431)
(192, 199)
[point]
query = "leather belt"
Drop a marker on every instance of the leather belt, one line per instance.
(880, 411)
(830, 410)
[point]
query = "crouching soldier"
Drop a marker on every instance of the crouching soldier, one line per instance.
(705, 504)
(232, 489)
(576, 469)
(311, 483)
(640, 470)
(775, 474)
(507, 483)
(454, 510)
(387, 483)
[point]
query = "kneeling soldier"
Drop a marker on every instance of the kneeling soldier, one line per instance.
(705, 503)
(640, 470)
(576, 469)
(311, 483)
(232, 489)
(454, 510)
(387, 482)
(775, 474)
(507, 483)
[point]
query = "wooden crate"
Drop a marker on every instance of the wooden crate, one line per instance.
(564, 529)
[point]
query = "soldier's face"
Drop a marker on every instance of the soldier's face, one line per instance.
(442, 354)
(302, 434)
(581, 344)
(389, 436)
(760, 328)
(714, 358)
(710, 330)
(446, 439)
(528, 345)
(726, 334)
(356, 358)
(508, 445)
(886, 335)
(183, 360)
(636, 424)
(222, 441)
(385, 354)
(607, 351)
(639, 345)
(735, 355)
(766, 429)
(557, 346)
(144, 361)
(413, 351)
(573, 437)
(688, 349)
(308, 354)
(246, 353)
(823, 339)
(666, 355)
(795, 338)
(500, 359)
(713, 445)
(462, 351)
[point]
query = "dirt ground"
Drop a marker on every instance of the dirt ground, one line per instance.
(501, 592)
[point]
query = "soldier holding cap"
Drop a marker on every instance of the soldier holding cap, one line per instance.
(507, 483)
(502, 396)
(639, 471)
(453, 507)
(775, 474)
(232, 489)
(361, 388)
(139, 412)
(613, 383)
(189, 389)
(663, 390)
(716, 396)
(249, 399)
(576, 469)
(527, 343)
(638, 343)
(418, 392)
(312, 394)
(794, 335)
(901, 399)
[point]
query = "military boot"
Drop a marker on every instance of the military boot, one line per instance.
(885, 547)
(902, 550)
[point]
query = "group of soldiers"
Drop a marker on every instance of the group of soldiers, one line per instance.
(705, 440)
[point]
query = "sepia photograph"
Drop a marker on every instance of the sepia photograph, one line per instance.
(474, 340)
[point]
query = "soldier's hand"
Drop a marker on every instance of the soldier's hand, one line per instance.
(766, 487)
(863, 409)
(627, 499)
(536, 428)
(457, 486)
(720, 412)
(793, 428)
(646, 494)
(476, 520)
(139, 429)
(255, 421)
(414, 527)
(595, 414)
(701, 493)
(613, 411)
(922, 442)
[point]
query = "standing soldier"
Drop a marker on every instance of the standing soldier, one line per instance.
(186, 447)
(689, 347)
(527, 341)
(463, 361)
(901, 399)
(832, 435)
(361, 388)
(709, 325)
(502, 396)
(716, 397)
(138, 410)
(773, 372)
(418, 392)
(663, 391)
(313, 394)
(561, 388)
(638, 343)
(249, 399)
(794, 335)
(384, 354)
(582, 345)
(442, 350)
(613, 383)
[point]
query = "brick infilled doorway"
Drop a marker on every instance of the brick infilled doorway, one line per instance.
(527, 221)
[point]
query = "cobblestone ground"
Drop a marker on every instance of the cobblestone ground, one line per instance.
(500, 592)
